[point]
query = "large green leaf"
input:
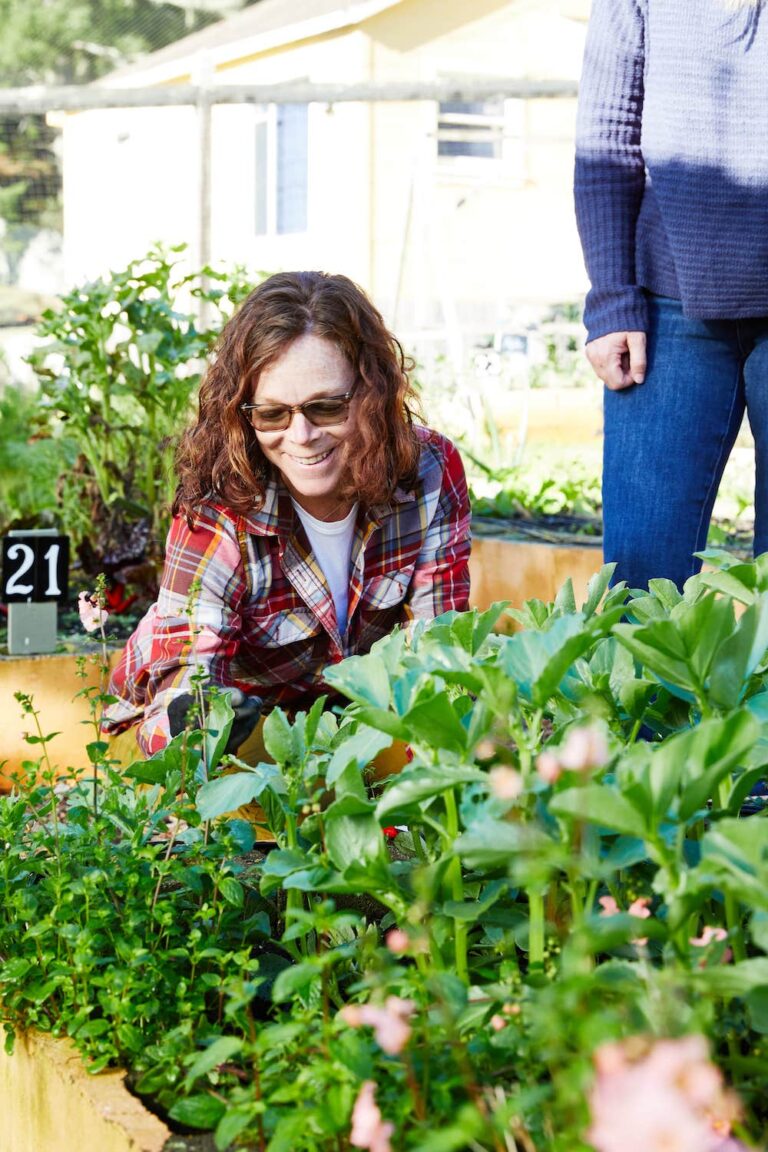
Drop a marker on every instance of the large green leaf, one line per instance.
(278, 737)
(227, 793)
(359, 749)
(167, 762)
(220, 1050)
(218, 725)
(704, 626)
(434, 722)
(538, 661)
(492, 844)
(201, 1111)
(296, 979)
(602, 805)
(468, 630)
(732, 979)
(739, 655)
(419, 782)
(734, 856)
(659, 648)
(708, 753)
(352, 835)
(363, 679)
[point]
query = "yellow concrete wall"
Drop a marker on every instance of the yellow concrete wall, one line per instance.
(51, 1104)
(519, 571)
(53, 683)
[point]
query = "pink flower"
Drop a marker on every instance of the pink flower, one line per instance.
(398, 941)
(92, 616)
(609, 906)
(583, 749)
(505, 782)
(548, 767)
(497, 1022)
(390, 1023)
(709, 933)
(639, 908)
(662, 1097)
(368, 1129)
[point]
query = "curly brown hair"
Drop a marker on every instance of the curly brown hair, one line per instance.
(219, 456)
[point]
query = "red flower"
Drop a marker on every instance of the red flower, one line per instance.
(116, 599)
(390, 833)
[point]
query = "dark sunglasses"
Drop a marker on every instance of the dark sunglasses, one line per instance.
(277, 417)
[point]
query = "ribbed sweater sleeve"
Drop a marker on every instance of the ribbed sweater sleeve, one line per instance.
(609, 171)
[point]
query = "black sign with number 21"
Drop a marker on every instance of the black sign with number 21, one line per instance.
(35, 569)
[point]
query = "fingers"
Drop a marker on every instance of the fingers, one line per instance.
(618, 358)
(637, 360)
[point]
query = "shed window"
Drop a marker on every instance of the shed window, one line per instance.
(280, 169)
(471, 129)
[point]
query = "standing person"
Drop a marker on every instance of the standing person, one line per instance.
(312, 516)
(671, 190)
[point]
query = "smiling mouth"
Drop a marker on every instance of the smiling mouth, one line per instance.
(308, 461)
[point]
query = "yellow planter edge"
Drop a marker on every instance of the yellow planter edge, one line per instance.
(51, 1104)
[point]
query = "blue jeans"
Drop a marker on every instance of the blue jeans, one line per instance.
(667, 441)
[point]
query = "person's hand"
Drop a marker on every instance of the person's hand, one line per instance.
(618, 359)
(247, 711)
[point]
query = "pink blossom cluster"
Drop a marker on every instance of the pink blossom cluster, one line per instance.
(584, 749)
(390, 1021)
(663, 1096)
(92, 615)
(506, 783)
(638, 908)
(369, 1130)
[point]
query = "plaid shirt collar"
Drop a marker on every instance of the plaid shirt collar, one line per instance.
(277, 516)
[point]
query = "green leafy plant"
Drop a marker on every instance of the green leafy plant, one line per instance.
(119, 371)
(31, 462)
(561, 895)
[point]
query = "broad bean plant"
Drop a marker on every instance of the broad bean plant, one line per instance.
(548, 932)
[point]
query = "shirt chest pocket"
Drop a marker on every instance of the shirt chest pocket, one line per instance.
(386, 591)
(283, 629)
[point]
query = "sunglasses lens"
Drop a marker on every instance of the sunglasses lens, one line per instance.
(320, 412)
(277, 417)
(271, 419)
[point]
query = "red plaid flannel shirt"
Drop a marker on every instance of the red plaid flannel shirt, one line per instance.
(243, 598)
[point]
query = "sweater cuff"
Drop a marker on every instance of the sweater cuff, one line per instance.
(615, 310)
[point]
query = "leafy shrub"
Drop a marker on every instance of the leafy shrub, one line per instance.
(119, 373)
(560, 898)
(31, 462)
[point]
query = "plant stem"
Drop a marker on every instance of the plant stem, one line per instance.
(536, 932)
(456, 881)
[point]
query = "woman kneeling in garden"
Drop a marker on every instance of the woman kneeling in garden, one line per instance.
(312, 516)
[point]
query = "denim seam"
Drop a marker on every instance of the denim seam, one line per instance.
(717, 470)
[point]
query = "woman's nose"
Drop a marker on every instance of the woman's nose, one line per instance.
(301, 430)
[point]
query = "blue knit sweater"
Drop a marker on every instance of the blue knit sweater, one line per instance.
(672, 160)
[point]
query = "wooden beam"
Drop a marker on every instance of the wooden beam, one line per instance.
(80, 98)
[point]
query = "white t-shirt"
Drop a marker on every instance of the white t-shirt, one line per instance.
(331, 543)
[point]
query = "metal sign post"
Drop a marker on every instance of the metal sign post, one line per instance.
(34, 580)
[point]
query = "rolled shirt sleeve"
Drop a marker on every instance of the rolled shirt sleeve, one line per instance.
(194, 629)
